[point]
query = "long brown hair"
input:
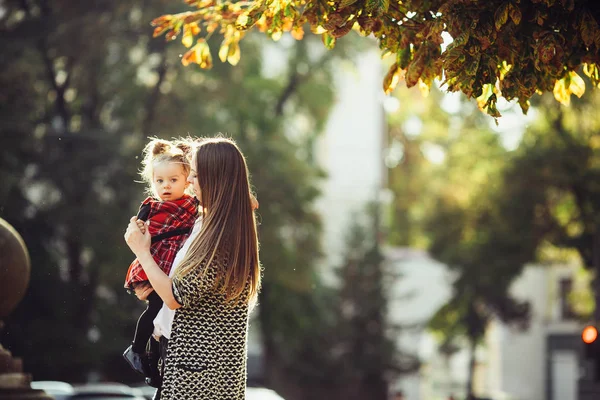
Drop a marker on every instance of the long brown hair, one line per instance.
(228, 222)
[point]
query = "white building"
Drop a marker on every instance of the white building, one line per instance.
(351, 150)
(543, 362)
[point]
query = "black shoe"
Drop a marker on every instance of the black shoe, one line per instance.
(135, 360)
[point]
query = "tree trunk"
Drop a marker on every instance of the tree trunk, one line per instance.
(266, 327)
(473, 345)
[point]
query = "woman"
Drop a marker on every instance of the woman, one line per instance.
(214, 284)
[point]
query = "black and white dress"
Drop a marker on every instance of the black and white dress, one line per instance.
(206, 357)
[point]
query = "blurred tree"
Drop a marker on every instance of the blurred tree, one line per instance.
(83, 85)
(365, 345)
(500, 48)
(486, 211)
(449, 198)
(557, 166)
(486, 239)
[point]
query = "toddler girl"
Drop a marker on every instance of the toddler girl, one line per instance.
(171, 214)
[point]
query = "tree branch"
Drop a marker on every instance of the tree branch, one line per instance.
(296, 79)
(152, 101)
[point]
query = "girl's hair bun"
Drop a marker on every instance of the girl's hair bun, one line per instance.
(159, 146)
(184, 146)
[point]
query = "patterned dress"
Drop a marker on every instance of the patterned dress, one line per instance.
(170, 225)
(207, 352)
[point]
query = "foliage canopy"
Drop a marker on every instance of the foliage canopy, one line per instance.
(502, 48)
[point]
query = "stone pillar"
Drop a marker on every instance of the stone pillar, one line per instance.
(14, 278)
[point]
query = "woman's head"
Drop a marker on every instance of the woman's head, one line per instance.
(166, 168)
(220, 179)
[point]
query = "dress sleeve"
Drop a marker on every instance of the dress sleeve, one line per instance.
(189, 289)
(186, 289)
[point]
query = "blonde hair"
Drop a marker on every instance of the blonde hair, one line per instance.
(228, 230)
(159, 151)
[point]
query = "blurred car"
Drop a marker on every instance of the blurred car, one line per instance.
(257, 393)
(106, 391)
(147, 391)
(57, 389)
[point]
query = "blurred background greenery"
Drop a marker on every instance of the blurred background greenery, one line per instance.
(84, 85)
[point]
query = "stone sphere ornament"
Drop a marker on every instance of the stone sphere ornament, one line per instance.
(15, 267)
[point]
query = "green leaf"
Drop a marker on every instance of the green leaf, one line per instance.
(347, 3)
(328, 40)
(524, 103)
(414, 71)
(473, 66)
(589, 29)
(403, 57)
(515, 13)
(501, 16)
(384, 5)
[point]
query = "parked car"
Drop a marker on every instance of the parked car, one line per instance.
(57, 389)
(257, 393)
(106, 391)
(147, 391)
(252, 393)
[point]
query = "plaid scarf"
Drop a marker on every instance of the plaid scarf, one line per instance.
(171, 223)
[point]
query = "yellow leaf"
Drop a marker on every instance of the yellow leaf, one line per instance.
(165, 19)
(159, 30)
(242, 21)
(394, 75)
(192, 55)
(223, 51)
(188, 38)
(210, 28)
(318, 30)
(590, 70)
(390, 81)
(276, 35)
(423, 88)
(488, 90)
(298, 33)
(234, 54)
(205, 57)
(560, 92)
(577, 85)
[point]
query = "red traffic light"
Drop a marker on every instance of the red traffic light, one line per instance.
(589, 334)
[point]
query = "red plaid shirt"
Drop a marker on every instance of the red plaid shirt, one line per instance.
(164, 216)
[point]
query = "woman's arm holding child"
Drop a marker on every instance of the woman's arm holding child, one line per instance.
(139, 243)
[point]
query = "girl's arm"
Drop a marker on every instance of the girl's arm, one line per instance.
(139, 243)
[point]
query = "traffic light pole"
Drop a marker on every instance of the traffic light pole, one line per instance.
(589, 382)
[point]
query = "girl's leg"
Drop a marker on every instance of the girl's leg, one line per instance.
(145, 324)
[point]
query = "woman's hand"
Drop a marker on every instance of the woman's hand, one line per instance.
(138, 241)
(142, 291)
(253, 202)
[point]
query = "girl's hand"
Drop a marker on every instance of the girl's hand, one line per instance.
(142, 291)
(142, 225)
(138, 241)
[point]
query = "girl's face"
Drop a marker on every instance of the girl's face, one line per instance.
(193, 178)
(169, 181)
